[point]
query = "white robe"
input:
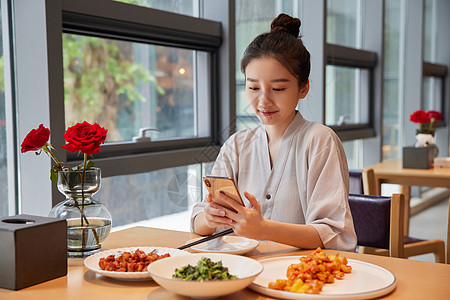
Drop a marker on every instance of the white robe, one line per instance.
(308, 183)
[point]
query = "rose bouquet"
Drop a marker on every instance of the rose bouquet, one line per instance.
(425, 133)
(425, 120)
(83, 138)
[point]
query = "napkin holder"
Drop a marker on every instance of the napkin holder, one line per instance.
(33, 250)
(418, 158)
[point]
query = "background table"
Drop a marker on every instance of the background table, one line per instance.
(415, 279)
(392, 171)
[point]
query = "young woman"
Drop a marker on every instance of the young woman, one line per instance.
(293, 173)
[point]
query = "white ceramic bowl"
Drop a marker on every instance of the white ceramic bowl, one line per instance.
(246, 270)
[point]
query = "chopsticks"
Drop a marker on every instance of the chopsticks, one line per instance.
(208, 238)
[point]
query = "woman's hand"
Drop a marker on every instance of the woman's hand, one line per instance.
(247, 222)
(215, 215)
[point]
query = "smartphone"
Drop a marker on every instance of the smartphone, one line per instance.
(216, 184)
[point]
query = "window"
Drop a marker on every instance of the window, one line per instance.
(434, 74)
(346, 101)
(127, 87)
(133, 75)
(140, 197)
(433, 87)
(343, 23)
(353, 151)
(349, 75)
(135, 78)
(392, 91)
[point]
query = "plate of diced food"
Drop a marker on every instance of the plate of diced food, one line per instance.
(321, 276)
(205, 275)
(129, 263)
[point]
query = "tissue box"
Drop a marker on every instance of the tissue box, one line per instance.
(418, 158)
(442, 162)
(33, 250)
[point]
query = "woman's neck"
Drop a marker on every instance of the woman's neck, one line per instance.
(274, 135)
(275, 132)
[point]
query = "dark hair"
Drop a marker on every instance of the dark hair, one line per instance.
(284, 44)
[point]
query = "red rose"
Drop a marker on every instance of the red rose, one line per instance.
(85, 138)
(35, 139)
(419, 116)
(434, 114)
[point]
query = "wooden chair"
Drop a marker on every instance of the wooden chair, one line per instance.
(362, 182)
(412, 246)
(378, 222)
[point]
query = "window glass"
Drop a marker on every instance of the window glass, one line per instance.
(432, 93)
(342, 22)
(430, 30)
(146, 196)
(3, 163)
(391, 98)
(352, 151)
(252, 20)
(126, 86)
(345, 97)
(185, 7)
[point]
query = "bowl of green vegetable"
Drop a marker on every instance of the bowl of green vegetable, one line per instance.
(205, 275)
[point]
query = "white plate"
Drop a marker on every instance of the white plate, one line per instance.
(91, 262)
(244, 268)
(366, 281)
(226, 244)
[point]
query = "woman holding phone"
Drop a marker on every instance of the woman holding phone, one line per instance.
(293, 173)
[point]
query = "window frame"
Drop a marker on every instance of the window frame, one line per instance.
(437, 71)
(337, 55)
(106, 19)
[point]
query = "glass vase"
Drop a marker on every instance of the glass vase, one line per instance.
(427, 140)
(88, 221)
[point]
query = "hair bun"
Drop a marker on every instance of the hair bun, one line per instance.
(286, 23)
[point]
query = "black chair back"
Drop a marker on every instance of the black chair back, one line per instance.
(355, 182)
(371, 218)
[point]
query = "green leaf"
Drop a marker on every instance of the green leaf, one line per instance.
(89, 164)
(54, 175)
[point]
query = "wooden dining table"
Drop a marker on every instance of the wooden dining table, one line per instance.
(392, 172)
(415, 279)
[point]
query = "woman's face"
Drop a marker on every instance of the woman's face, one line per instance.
(272, 91)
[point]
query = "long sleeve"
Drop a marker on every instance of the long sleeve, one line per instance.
(327, 207)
